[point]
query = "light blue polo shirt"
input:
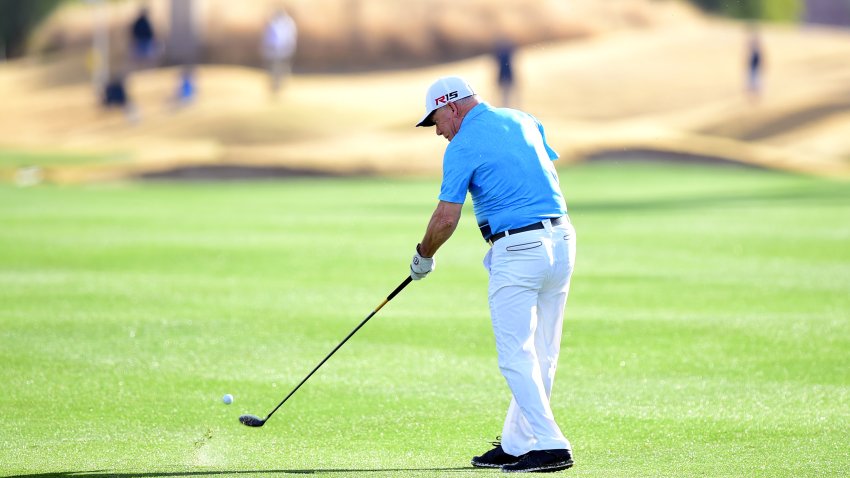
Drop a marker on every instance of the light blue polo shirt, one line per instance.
(501, 157)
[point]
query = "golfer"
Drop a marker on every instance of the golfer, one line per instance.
(500, 156)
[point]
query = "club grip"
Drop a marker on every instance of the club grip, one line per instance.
(398, 289)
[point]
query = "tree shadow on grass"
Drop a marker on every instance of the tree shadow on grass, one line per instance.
(154, 474)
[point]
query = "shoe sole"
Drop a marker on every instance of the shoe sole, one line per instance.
(489, 465)
(543, 469)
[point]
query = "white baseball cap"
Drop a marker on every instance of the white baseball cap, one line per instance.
(442, 92)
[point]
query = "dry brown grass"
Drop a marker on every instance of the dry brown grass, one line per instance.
(675, 86)
(343, 35)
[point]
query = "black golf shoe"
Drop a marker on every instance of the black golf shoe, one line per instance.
(541, 461)
(494, 458)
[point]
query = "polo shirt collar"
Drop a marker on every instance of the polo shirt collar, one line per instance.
(477, 110)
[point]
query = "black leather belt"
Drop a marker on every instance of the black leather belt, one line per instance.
(510, 232)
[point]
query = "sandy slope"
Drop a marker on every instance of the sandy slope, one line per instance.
(676, 88)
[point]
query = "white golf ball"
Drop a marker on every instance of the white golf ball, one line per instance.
(227, 399)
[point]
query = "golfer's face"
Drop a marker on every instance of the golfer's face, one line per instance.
(444, 122)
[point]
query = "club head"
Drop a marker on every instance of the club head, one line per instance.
(251, 421)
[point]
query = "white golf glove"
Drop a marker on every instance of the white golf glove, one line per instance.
(421, 266)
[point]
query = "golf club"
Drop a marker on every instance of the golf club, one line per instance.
(255, 421)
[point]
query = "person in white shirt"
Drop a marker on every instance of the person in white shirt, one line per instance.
(279, 42)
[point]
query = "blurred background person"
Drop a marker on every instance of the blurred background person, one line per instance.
(116, 96)
(755, 64)
(279, 42)
(142, 38)
(504, 59)
(186, 90)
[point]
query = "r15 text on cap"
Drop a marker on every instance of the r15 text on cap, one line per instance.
(446, 98)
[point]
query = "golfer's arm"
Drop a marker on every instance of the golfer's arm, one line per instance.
(440, 228)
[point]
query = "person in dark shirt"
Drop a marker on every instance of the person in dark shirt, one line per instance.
(504, 59)
(755, 65)
(142, 37)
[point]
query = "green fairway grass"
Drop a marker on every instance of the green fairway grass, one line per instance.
(12, 159)
(707, 332)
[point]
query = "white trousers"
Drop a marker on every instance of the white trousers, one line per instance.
(529, 282)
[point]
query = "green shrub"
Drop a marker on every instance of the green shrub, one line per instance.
(769, 10)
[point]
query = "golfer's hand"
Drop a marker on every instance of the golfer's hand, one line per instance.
(421, 266)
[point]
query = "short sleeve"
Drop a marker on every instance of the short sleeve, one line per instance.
(457, 172)
(551, 152)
